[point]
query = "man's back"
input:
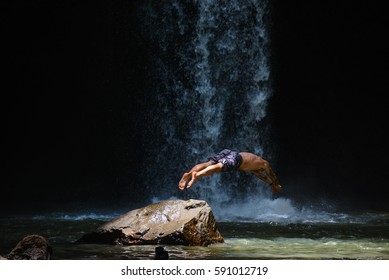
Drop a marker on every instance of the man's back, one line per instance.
(251, 162)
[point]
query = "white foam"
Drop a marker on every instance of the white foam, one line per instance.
(280, 210)
(77, 217)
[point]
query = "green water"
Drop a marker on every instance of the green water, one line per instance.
(362, 236)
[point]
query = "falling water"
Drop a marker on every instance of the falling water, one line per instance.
(210, 87)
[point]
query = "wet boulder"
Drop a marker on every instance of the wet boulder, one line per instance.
(31, 247)
(174, 222)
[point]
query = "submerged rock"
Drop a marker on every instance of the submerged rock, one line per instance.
(161, 253)
(175, 222)
(31, 247)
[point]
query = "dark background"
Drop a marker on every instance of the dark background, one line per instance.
(329, 110)
(75, 93)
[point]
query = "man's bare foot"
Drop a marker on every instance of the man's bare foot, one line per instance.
(193, 180)
(184, 179)
(276, 187)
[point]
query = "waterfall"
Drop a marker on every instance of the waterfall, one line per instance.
(209, 88)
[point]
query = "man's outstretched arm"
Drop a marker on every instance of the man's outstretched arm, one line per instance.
(258, 174)
(272, 182)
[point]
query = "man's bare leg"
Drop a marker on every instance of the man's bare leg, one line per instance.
(187, 175)
(212, 169)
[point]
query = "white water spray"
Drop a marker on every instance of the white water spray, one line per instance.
(213, 79)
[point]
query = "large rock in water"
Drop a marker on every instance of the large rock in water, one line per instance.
(175, 222)
(32, 247)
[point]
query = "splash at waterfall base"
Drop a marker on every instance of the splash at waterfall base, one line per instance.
(173, 222)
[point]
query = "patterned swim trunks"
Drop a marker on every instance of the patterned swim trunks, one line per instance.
(230, 159)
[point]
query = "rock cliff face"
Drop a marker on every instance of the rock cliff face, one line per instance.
(175, 222)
